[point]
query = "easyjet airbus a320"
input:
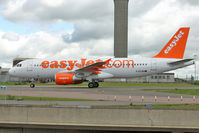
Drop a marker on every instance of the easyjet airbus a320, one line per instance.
(77, 70)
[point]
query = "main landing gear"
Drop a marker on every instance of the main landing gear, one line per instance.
(93, 84)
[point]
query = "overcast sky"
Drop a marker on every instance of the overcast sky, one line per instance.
(62, 28)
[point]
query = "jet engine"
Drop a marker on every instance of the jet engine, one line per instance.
(66, 78)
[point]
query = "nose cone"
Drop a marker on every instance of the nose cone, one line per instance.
(11, 72)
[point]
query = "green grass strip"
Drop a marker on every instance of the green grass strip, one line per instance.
(30, 98)
(176, 106)
(145, 85)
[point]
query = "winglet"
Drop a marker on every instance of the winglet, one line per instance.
(176, 46)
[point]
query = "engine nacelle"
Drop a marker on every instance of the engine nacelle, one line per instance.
(66, 78)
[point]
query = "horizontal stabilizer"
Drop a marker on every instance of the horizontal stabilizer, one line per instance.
(180, 62)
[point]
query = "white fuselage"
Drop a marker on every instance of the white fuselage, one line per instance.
(116, 68)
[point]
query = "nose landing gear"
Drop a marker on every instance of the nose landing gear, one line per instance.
(32, 85)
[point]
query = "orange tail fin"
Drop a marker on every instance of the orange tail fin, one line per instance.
(176, 46)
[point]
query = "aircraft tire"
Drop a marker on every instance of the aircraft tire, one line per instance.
(32, 85)
(96, 84)
(91, 85)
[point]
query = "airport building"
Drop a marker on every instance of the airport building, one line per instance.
(4, 76)
(121, 28)
(156, 78)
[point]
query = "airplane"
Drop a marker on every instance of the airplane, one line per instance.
(77, 70)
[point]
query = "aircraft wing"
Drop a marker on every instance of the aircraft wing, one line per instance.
(90, 69)
(180, 62)
(96, 67)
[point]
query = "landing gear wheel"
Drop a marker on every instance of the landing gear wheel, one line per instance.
(91, 85)
(32, 85)
(96, 84)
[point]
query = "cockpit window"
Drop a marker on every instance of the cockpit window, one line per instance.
(19, 65)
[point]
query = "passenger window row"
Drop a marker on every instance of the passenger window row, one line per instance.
(36, 65)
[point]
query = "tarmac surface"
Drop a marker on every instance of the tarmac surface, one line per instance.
(102, 95)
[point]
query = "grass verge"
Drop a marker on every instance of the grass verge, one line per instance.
(30, 98)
